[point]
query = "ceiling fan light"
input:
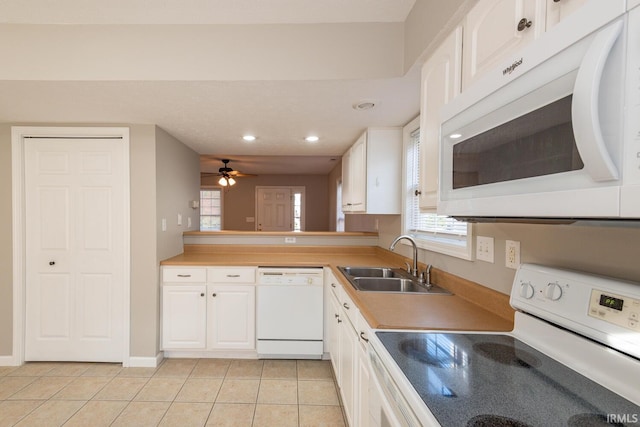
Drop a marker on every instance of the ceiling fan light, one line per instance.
(231, 181)
(249, 138)
(223, 181)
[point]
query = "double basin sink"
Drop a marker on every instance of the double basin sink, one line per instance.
(385, 279)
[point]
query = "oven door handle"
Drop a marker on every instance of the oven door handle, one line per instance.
(586, 118)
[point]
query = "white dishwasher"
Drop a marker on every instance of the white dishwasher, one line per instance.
(289, 313)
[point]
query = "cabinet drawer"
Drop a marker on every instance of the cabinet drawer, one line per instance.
(184, 275)
(231, 275)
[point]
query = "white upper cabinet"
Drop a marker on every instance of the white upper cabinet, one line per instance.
(371, 173)
(441, 76)
(495, 29)
(354, 199)
(557, 10)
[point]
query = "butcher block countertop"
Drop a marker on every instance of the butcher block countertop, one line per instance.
(472, 307)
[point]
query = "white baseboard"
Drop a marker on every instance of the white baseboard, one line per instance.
(8, 361)
(205, 354)
(146, 362)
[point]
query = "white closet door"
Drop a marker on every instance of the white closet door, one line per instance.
(75, 219)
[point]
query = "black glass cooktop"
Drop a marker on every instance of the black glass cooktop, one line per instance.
(479, 380)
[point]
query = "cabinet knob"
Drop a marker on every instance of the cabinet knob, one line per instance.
(333, 285)
(202, 294)
(345, 305)
(52, 263)
(417, 192)
(523, 24)
(365, 339)
(556, 1)
(214, 295)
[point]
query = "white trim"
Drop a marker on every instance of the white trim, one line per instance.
(8, 361)
(145, 362)
(211, 354)
(18, 133)
(214, 187)
(434, 244)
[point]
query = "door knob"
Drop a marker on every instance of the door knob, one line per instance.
(52, 263)
(523, 24)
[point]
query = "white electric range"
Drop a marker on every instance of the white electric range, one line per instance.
(573, 359)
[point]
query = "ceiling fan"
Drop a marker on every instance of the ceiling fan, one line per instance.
(227, 175)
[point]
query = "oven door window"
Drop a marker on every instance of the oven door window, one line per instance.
(538, 143)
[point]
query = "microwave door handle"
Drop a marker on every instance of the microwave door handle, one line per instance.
(584, 109)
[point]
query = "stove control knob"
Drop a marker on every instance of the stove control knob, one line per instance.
(553, 292)
(526, 290)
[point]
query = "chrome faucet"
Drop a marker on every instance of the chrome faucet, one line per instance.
(414, 268)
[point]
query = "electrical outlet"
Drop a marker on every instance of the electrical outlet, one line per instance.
(512, 254)
(484, 248)
(164, 224)
(179, 219)
(289, 239)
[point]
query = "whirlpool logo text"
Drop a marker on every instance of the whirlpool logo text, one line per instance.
(512, 67)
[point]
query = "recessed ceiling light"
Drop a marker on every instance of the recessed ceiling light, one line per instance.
(364, 105)
(249, 138)
(312, 138)
(455, 135)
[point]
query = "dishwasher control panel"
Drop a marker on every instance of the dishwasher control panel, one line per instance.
(290, 276)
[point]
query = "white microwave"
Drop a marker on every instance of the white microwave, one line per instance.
(555, 131)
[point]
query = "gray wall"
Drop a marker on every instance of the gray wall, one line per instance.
(607, 250)
(239, 201)
(6, 257)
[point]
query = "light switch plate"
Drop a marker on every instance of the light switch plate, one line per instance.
(484, 249)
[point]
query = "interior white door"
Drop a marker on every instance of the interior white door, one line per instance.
(275, 209)
(75, 214)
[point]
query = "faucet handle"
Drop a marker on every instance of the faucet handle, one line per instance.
(406, 263)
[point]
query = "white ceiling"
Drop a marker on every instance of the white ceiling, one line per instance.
(210, 116)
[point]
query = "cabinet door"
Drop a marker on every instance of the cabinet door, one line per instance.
(558, 10)
(231, 317)
(348, 368)
(335, 322)
(441, 76)
(362, 401)
(492, 33)
(358, 174)
(184, 311)
(346, 181)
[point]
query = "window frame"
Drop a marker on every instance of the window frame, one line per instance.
(209, 188)
(436, 242)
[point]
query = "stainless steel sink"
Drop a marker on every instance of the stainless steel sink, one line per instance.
(384, 279)
(371, 272)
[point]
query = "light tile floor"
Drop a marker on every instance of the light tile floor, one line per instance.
(180, 392)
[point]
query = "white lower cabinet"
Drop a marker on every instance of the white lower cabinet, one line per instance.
(231, 317)
(184, 316)
(217, 315)
(348, 334)
(348, 369)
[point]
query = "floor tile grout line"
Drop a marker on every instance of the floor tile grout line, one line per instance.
(186, 379)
